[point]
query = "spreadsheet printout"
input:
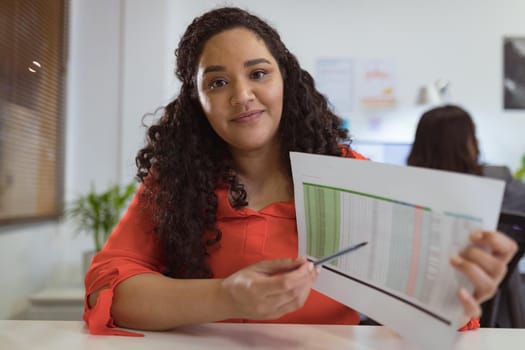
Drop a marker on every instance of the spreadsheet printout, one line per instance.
(413, 219)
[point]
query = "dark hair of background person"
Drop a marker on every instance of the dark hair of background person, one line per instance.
(446, 139)
(184, 160)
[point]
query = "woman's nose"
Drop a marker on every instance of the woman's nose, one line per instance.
(242, 93)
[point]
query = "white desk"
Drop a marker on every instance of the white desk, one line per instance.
(66, 335)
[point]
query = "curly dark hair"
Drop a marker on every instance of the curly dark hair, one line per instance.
(184, 160)
(443, 139)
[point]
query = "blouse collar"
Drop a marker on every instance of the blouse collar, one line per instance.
(277, 209)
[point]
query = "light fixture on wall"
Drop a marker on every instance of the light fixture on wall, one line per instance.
(433, 93)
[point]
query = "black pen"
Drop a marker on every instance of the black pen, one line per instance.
(339, 253)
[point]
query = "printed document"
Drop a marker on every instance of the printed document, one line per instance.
(413, 219)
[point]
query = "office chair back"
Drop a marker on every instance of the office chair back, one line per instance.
(507, 308)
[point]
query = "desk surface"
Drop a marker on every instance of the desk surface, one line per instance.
(58, 335)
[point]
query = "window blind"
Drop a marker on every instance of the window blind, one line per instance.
(33, 49)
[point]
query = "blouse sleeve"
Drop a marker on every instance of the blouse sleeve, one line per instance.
(472, 324)
(131, 249)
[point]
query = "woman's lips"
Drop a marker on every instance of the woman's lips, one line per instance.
(248, 116)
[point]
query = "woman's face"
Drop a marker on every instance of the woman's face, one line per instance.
(240, 89)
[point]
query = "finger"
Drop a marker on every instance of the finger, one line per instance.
(499, 244)
(293, 301)
(484, 285)
(288, 281)
(492, 265)
(271, 267)
(470, 305)
(286, 291)
(257, 278)
(299, 285)
(267, 284)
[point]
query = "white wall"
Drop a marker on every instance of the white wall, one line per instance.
(121, 67)
(93, 120)
(146, 70)
(24, 265)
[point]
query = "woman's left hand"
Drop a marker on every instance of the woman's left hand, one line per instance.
(485, 265)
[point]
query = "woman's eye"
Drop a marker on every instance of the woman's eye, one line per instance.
(258, 74)
(217, 84)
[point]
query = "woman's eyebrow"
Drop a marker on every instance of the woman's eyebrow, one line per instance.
(256, 61)
(210, 69)
(248, 63)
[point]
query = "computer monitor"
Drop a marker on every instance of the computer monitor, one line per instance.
(384, 152)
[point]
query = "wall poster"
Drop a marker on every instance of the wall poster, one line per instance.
(514, 73)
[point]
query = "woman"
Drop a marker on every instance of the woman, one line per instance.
(446, 139)
(211, 234)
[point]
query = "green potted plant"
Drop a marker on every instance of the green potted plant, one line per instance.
(98, 213)
(520, 173)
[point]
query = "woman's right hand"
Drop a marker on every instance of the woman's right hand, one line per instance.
(270, 289)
